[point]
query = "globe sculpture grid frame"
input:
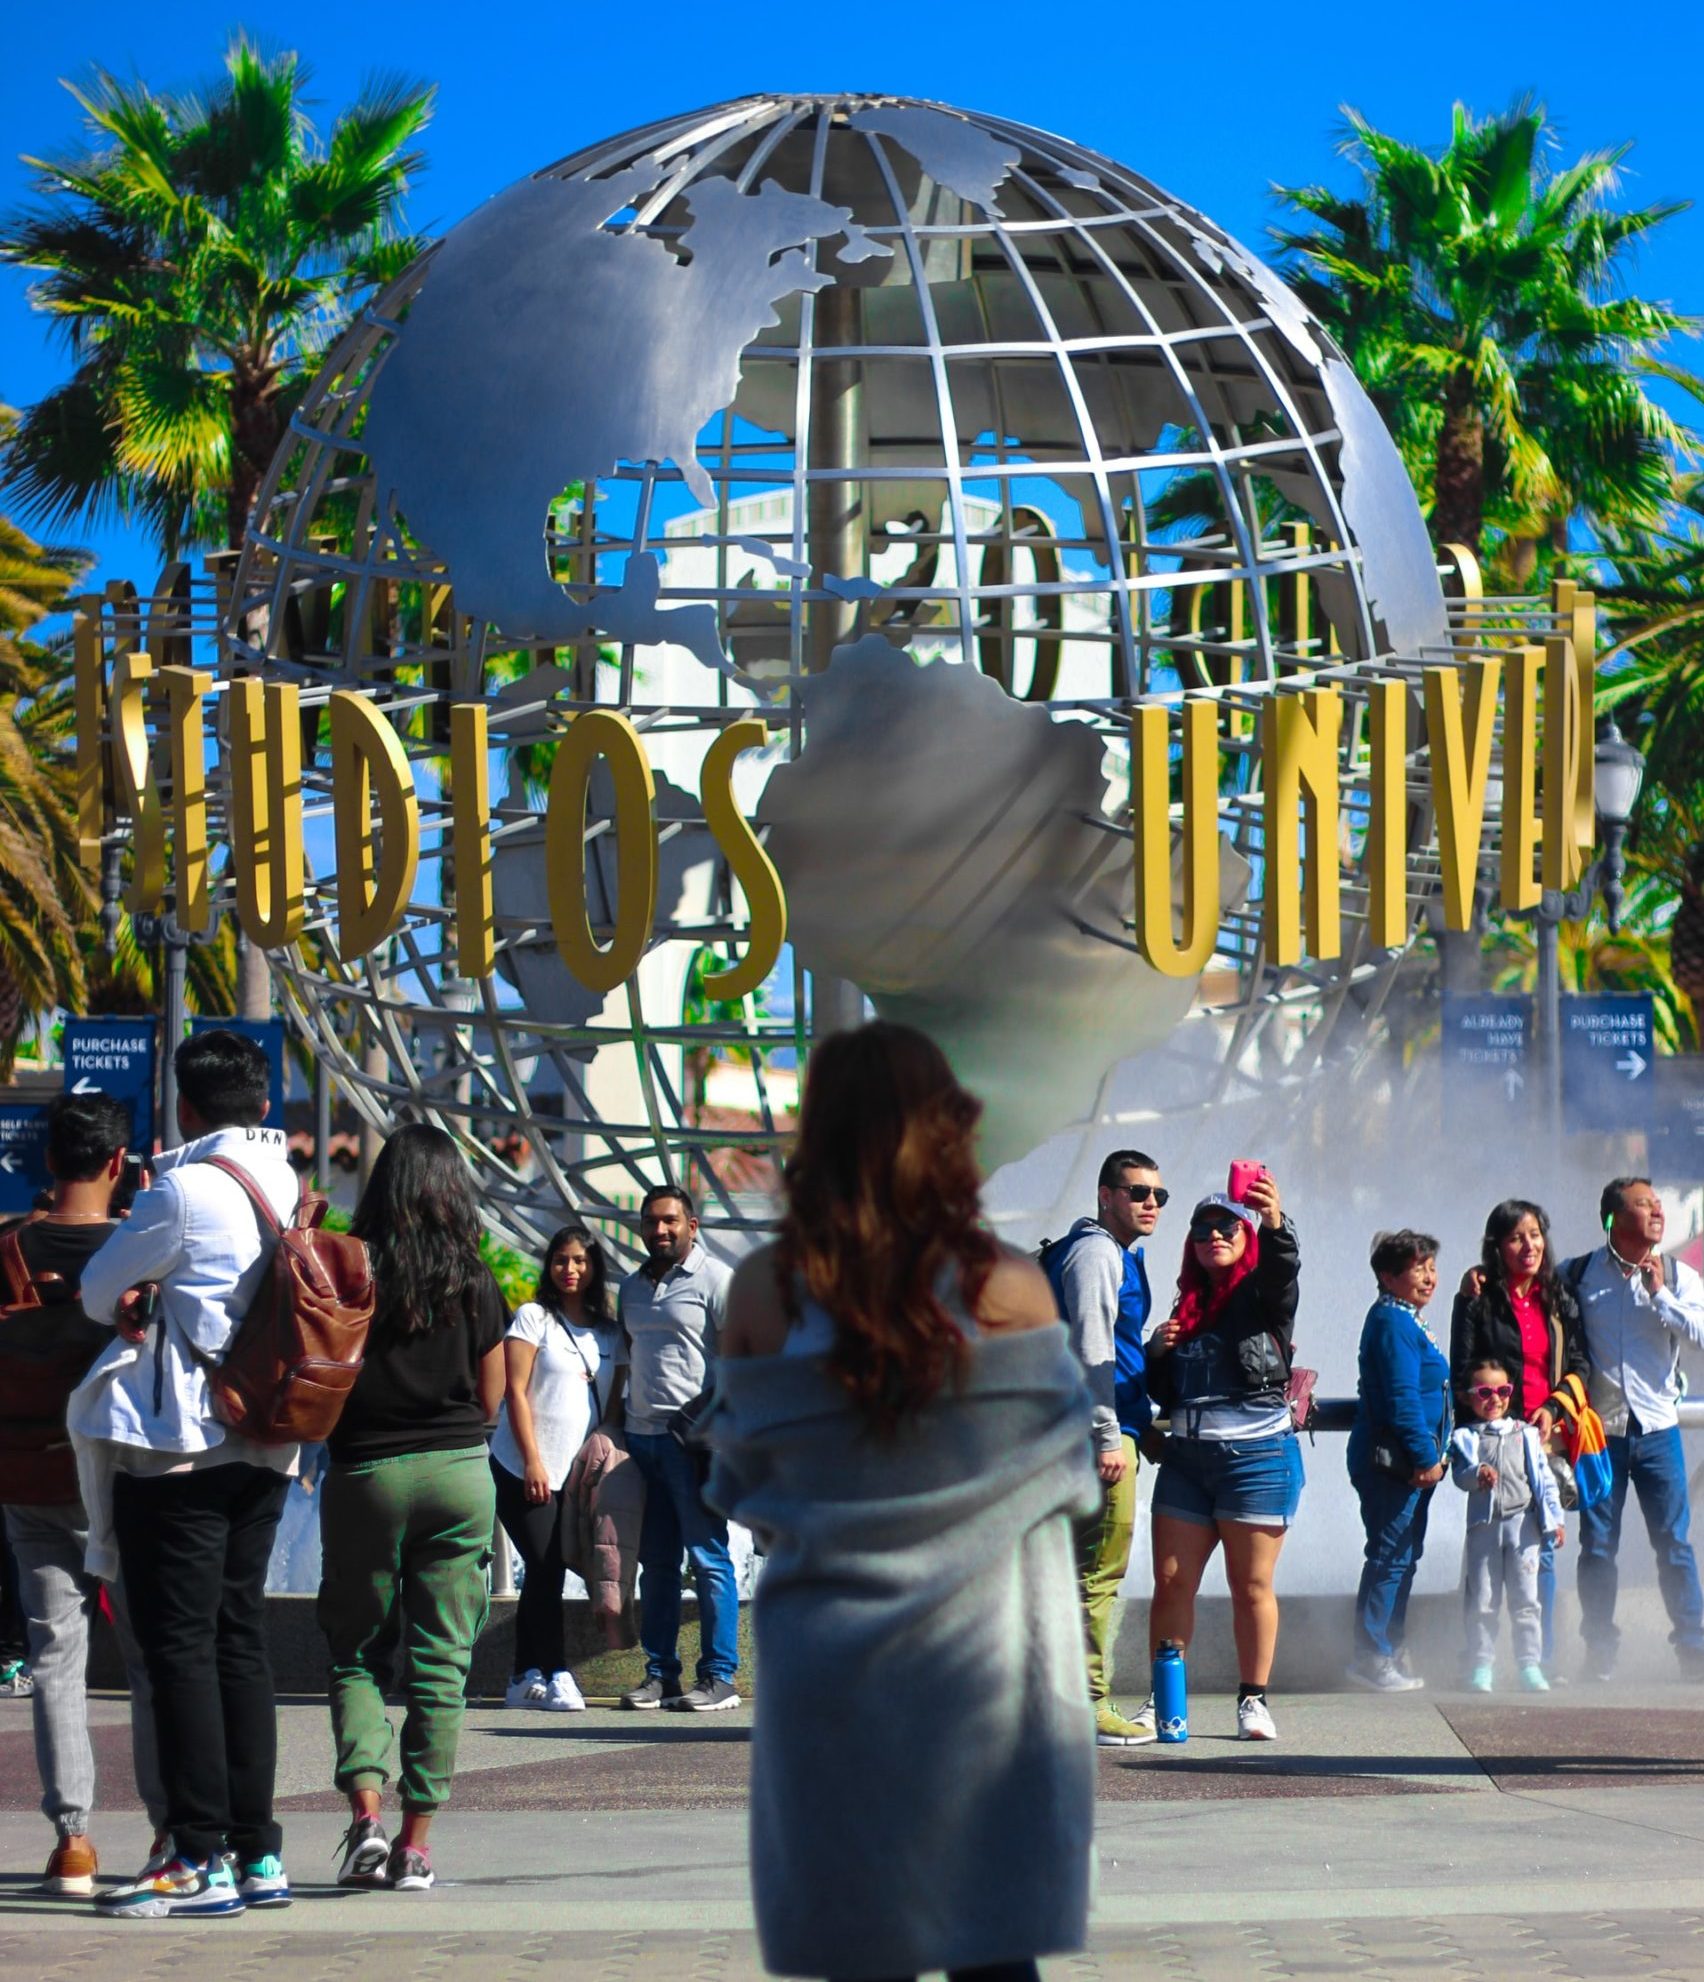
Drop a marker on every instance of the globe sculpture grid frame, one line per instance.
(1167, 353)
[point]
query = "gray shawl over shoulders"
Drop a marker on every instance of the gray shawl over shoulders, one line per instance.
(923, 1762)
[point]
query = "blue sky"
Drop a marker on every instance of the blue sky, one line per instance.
(1215, 105)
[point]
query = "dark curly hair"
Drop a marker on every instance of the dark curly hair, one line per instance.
(883, 1196)
(419, 1218)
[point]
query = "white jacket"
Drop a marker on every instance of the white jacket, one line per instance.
(197, 1234)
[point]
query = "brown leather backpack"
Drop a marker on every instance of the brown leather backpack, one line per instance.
(46, 1346)
(292, 1360)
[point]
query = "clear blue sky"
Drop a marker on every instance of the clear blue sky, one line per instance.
(1215, 104)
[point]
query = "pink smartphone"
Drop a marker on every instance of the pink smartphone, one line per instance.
(1243, 1173)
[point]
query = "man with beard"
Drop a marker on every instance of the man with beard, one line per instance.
(670, 1312)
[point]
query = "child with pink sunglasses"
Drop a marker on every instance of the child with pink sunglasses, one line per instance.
(1499, 1462)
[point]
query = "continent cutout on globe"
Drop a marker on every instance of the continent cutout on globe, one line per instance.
(952, 151)
(945, 848)
(518, 370)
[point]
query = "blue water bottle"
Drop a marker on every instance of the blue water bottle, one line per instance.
(1171, 1694)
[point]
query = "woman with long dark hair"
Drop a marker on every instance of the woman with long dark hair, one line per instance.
(558, 1359)
(409, 1506)
(900, 1421)
(1514, 1308)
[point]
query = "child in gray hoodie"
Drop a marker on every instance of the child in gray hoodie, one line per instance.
(1499, 1462)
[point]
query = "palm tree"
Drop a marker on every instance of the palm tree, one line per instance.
(44, 895)
(199, 255)
(1478, 294)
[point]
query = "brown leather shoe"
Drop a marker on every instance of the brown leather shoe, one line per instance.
(71, 1870)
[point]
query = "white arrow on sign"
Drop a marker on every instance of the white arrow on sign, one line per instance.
(1513, 1082)
(85, 1086)
(8, 1163)
(1634, 1064)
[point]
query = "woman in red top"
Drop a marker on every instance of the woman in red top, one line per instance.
(1514, 1308)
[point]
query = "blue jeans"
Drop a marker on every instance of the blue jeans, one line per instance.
(1652, 1461)
(1394, 1516)
(1547, 1596)
(677, 1519)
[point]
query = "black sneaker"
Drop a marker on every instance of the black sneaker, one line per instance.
(366, 1852)
(709, 1696)
(654, 1693)
(410, 1868)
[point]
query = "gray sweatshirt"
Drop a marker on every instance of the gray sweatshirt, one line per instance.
(1090, 1282)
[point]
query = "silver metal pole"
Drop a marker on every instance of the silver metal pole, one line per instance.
(322, 1123)
(1547, 931)
(838, 523)
(176, 947)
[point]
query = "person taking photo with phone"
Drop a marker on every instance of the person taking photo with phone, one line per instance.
(1232, 1470)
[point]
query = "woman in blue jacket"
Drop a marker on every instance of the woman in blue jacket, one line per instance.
(1397, 1450)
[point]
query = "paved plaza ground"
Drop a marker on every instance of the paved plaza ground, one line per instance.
(1432, 1835)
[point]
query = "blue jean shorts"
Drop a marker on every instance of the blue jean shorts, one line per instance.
(1209, 1480)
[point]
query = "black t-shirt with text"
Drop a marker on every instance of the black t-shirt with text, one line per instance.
(420, 1392)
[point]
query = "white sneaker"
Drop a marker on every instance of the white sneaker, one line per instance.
(1382, 1676)
(1255, 1722)
(563, 1696)
(527, 1691)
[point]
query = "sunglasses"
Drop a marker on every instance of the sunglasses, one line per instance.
(1485, 1392)
(1213, 1228)
(1140, 1193)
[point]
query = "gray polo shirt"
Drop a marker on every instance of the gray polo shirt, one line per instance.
(671, 1329)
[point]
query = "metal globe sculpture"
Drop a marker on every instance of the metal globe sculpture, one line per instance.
(929, 440)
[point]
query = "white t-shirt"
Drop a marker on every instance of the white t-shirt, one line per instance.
(571, 1376)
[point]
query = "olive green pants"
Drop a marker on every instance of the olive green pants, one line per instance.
(1103, 1555)
(406, 1545)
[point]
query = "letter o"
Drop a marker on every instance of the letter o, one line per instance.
(601, 733)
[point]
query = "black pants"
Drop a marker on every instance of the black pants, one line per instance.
(194, 1549)
(536, 1532)
(14, 1634)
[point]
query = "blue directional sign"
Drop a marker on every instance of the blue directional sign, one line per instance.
(1608, 1052)
(267, 1034)
(23, 1142)
(115, 1056)
(1487, 1048)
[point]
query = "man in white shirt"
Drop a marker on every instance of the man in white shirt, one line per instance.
(1639, 1312)
(194, 1508)
(670, 1314)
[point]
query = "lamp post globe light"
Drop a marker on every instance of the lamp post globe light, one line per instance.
(1619, 775)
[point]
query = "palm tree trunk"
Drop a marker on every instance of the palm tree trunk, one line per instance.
(1458, 507)
(254, 439)
(254, 983)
